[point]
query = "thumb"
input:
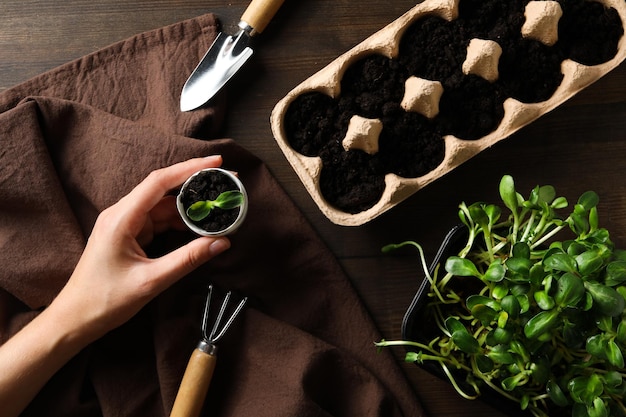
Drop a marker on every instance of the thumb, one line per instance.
(187, 258)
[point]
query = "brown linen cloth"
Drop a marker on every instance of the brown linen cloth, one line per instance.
(76, 139)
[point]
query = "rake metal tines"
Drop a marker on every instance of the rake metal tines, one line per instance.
(221, 323)
(199, 372)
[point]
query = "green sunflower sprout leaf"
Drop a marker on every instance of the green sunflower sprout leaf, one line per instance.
(589, 262)
(511, 305)
(519, 266)
(597, 346)
(500, 354)
(474, 300)
(541, 323)
(495, 272)
(574, 248)
(461, 267)
(507, 193)
(479, 215)
(597, 408)
(199, 210)
(502, 336)
(544, 301)
(500, 290)
(600, 236)
(578, 223)
(593, 219)
(463, 218)
(461, 337)
(588, 302)
(510, 383)
(493, 213)
(559, 203)
(454, 325)
(521, 250)
(607, 299)
(466, 342)
(524, 303)
(547, 194)
(613, 379)
(524, 402)
(615, 273)
(617, 391)
(561, 261)
(227, 200)
(556, 394)
(621, 331)
(483, 313)
(570, 290)
(589, 200)
(533, 199)
(605, 323)
(585, 389)
(536, 274)
(518, 348)
(614, 354)
(503, 319)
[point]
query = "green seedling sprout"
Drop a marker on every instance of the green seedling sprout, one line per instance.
(227, 200)
(545, 325)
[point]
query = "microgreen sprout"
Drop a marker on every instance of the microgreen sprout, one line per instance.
(544, 322)
(227, 200)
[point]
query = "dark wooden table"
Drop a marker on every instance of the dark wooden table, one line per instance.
(577, 147)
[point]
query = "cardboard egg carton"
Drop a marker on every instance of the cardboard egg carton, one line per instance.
(541, 20)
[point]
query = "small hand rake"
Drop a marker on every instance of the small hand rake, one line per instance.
(197, 377)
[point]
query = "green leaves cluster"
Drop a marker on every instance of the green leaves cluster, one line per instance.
(227, 200)
(533, 305)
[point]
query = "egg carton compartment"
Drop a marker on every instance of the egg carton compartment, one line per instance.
(434, 88)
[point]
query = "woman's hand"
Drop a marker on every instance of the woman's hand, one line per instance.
(113, 280)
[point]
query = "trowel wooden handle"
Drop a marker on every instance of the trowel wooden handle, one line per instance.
(194, 386)
(260, 12)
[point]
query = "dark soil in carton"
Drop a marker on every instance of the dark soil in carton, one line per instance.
(471, 107)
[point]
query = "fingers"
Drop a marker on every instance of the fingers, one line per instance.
(184, 260)
(145, 196)
(165, 215)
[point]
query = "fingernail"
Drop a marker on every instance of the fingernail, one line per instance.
(219, 245)
(213, 157)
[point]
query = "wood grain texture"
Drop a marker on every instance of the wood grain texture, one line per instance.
(579, 146)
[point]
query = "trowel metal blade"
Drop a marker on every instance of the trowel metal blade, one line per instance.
(224, 58)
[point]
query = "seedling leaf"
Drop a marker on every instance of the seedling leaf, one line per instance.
(570, 290)
(561, 261)
(541, 323)
(607, 299)
(199, 210)
(461, 267)
(507, 192)
(229, 200)
(589, 200)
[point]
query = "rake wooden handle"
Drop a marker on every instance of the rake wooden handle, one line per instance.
(195, 384)
(260, 12)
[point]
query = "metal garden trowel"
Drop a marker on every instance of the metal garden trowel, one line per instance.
(226, 55)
